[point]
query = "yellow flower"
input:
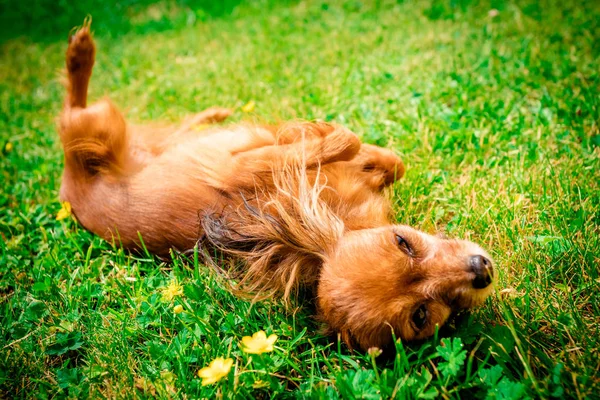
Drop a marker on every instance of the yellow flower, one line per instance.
(178, 309)
(260, 384)
(8, 147)
(171, 291)
(259, 343)
(216, 370)
(167, 376)
(64, 212)
(249, 107)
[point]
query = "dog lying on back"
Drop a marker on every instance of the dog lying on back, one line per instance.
(300, 205)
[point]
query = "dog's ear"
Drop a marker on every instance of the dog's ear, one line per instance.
(282, 238)
(276, 256)
(272, 259)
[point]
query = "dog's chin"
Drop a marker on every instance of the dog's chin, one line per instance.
(471, 298)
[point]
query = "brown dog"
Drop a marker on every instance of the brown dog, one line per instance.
(299, 204)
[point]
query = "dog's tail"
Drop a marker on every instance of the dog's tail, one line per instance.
(94, 138)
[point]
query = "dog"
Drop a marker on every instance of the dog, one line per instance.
(299, 205)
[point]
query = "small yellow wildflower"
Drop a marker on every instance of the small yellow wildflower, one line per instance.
(8, 147)
(259, 343)
(216, 370)
(167, 376)
(178, 309)
(259, 384)
(171, 291)
(64, 212)
(248, 107)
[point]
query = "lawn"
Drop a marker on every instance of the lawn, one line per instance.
(494, 107)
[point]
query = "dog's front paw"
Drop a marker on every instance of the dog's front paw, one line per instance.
(373, 159)
(213, 115)
(217, 114)
(340, 145)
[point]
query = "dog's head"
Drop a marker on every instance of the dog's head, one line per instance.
(399, 278)
(370, 282)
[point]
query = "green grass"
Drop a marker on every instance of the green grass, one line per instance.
(496, 118)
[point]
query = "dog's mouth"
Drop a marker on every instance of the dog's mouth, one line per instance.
(473, 294)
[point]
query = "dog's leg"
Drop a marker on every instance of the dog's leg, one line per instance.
(337, 144)
(212, 115)
(293, 132)
(80, 58)
(380, 167)
(94, 138)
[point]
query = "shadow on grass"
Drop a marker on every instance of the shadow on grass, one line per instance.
(49, 20)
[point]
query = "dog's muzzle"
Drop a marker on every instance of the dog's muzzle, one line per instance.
(483, 270)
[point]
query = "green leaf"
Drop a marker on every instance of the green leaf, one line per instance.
(507, 390)
(66, 377)
(558, 389)
(501, 342)
(455, 356)
(65, 342)
(491, 376)
(35, 311)
(501, 387)
(357, 384)
(424, 379)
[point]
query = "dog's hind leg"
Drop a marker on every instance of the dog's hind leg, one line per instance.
(94, 138)
(80, 58)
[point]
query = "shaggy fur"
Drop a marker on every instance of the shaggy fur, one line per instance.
(300, 205)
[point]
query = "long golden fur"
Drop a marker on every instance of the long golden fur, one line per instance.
(300, 205)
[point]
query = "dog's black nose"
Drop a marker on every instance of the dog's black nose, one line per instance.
(484, 272)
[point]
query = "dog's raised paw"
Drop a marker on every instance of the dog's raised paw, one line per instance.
(341, 144)
(81, 51)
(215, 114)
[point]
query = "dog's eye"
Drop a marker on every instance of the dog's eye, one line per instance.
(419, 318)
(404, 246)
